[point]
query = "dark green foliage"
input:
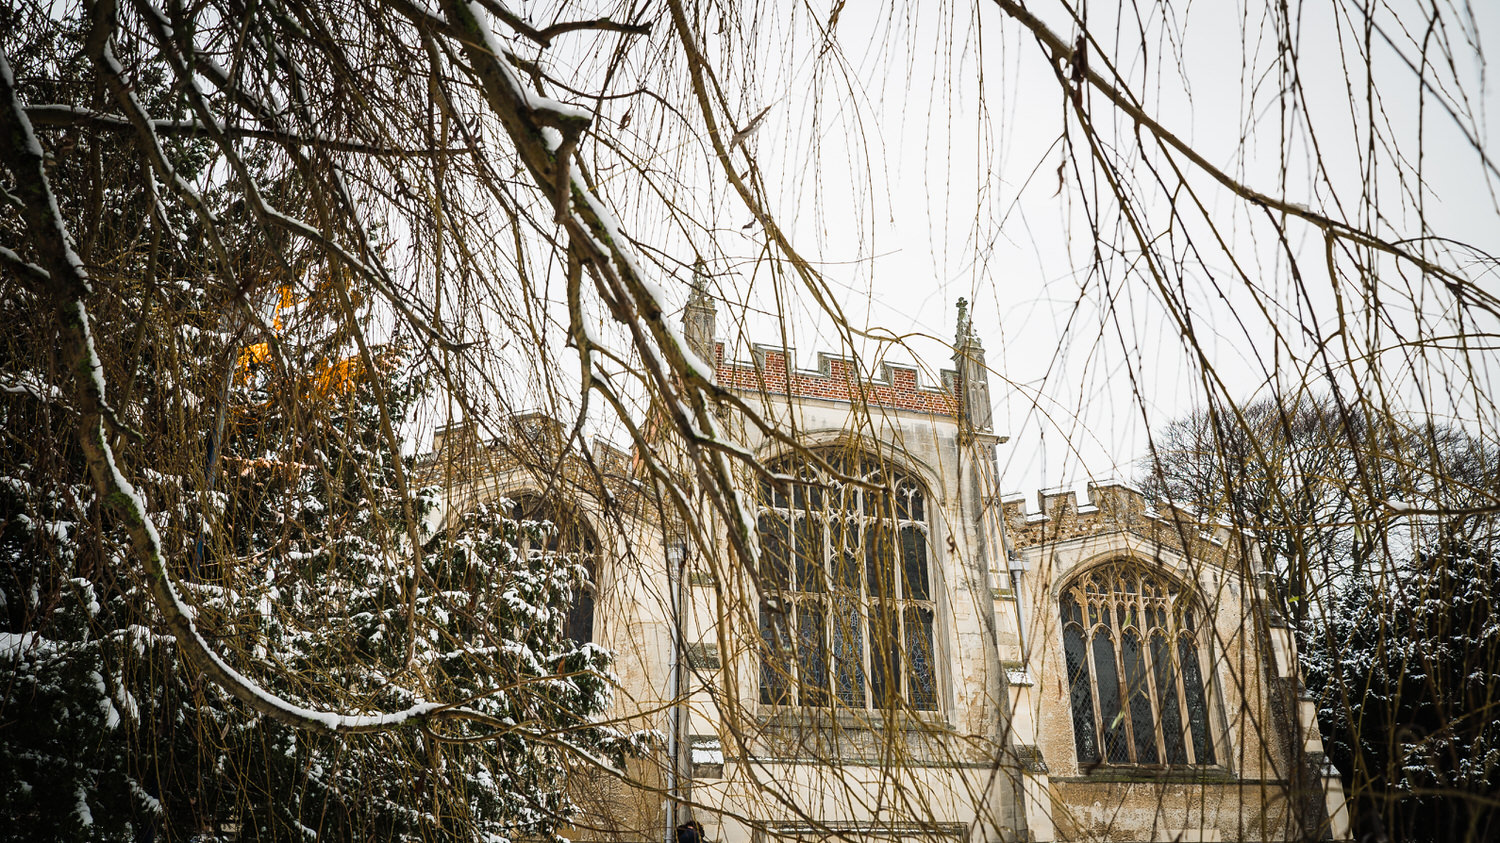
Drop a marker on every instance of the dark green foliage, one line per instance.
(1381, 534)
(1407, 673)
(263, 458)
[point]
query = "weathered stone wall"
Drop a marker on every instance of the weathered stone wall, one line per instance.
(1249, 792)
(997, 759)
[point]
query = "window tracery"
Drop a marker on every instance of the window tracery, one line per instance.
(847, 592)
(1132, 640)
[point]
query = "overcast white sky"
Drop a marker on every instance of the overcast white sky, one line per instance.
(939, 178)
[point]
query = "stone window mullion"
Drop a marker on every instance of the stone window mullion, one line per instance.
(1128, 640)
(1150, 630)
(1100, 626)
(1123, 607)
(862, 546)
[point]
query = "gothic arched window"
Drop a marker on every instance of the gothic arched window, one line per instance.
(847, 588)
(569, 535)
(1134, 643)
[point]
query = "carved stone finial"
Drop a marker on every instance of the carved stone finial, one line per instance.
(700, 315)
(698, 293)
(969, 354)
(965, 337)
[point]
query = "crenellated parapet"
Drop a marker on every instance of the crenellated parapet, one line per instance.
(462, 453)
(1112, 507)
(836, 378)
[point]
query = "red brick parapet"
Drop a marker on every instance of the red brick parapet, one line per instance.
(836, 378)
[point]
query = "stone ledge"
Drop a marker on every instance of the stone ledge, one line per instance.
(766, 759)
(794, 716)
(1162, 775)
(894, 829)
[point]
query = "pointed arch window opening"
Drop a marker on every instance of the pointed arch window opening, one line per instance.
(1136, 683)
(847, 609)
(571, 538)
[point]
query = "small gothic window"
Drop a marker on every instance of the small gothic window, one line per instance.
(1132, 645)
(847, 588)
(570, 536)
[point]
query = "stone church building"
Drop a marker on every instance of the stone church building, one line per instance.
(914, 655)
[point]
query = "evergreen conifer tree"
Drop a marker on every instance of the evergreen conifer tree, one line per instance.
(268, 470)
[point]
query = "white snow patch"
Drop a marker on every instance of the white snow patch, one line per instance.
(30, 383)
(151, 802)
(85, 816)
(106, 705)
(12, 644)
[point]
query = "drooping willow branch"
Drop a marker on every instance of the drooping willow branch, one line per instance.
(64, 281)
(1061, 54)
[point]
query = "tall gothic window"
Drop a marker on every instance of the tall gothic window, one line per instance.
(569, 535)
(1134, 643)
(846, 580)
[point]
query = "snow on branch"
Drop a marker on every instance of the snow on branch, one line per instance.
(1064, 55)
(598, 245)
(68, 116)
(67, 285)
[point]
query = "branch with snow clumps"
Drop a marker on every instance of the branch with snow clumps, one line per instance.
(68, 285)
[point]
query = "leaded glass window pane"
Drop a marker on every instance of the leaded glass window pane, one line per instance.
(775, 567)
(1142, 696)
(1142, 723)
(851, 564)
(1197, 701)
(914, 562)
(885, 655)
(1116, 749)
(922, 686)
(1081, 692)
(810, 554)
(812, 653)
(909, 503)
(880, 559)
(775, 670)
(806, 496)
(849, 653)
(847, 567)
(1166, 684)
